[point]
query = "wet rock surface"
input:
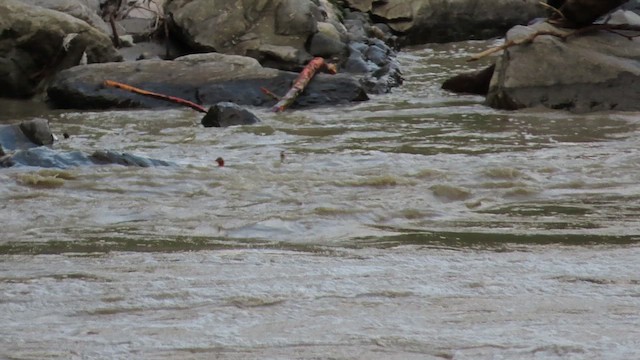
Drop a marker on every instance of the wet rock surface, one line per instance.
(204, 79)
(25, 135)
(29, 144)
(591, 72)
(45, 157)
(224, 114)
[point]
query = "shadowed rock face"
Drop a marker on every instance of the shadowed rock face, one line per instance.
(594, 72)
(27, 134)
(476, 82)
(225, 114)
(45, 157)
(424, 21)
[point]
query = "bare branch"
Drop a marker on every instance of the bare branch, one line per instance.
(555, 10)
(587, 29)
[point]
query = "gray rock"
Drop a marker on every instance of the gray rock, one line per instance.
(358, 47)
(37, 130)
(204, 78)
(31, 47)
(377, 55)
(242, 27)
(224, 114)
(383, 79)
(296, 17)
(327, 46)
(45, 157)
(282, 34)
(592, 72)
(328, 42)
(102, 157)
(27, 134)
(24, 147)
(355, 64)
(355, 29)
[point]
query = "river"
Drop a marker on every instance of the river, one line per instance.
(416, 225)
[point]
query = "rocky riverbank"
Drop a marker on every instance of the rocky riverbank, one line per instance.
(61, 51)
(44, 38)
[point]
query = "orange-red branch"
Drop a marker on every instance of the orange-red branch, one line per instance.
(171, 99)
(302, 81)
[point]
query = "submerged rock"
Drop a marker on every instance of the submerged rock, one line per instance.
(45, 157)
(28, 144)
(103, 157)
(589, 72)
(224, 114)
(26, 135)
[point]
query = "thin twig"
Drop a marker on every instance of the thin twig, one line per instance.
(555, 10)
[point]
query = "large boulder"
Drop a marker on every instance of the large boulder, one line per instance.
(242, 27)
(589, 72)
(286, 34)
(424, 21)
(36, 43)
(203, 78)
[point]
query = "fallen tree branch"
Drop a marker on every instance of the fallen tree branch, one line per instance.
(168, 98)
(563, 36)
(301, 82)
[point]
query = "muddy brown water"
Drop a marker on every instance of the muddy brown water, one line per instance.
(418, 225)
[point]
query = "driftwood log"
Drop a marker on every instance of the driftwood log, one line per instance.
(580, 13)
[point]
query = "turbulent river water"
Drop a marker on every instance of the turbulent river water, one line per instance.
(416, 225)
